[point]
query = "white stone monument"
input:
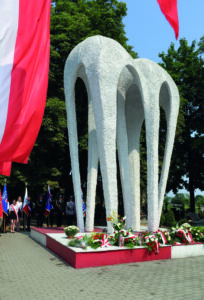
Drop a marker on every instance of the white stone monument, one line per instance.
(122, 93)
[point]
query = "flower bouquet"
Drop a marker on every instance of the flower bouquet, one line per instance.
(151, 242)
(79, 242)
(122, 237)
(95, 240)
(71, 231)
(197, 234)
(164, 237)
(181, 235)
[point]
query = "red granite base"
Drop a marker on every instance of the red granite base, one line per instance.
(86, 259)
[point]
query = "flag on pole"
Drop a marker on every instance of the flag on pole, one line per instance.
(5, 168)
(170, 11)
(5, 202)
(26, 208)
(24, 65)
(1, 206)
(48, 204)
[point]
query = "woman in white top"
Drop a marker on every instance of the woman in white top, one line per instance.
(13, 215)
(20, 212)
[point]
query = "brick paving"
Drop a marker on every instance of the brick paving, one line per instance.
(29, 271)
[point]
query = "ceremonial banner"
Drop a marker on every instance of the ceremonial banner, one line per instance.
(170, 11)
(5, 202)
(48, 204)
(24, 64)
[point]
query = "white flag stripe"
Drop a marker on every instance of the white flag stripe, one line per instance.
(9, 14)
(25, 198)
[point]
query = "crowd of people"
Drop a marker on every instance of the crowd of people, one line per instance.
(59, 212)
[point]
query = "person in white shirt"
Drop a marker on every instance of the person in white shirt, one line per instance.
(13, 215)
(20, 213)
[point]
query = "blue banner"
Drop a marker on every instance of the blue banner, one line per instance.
(5, 202)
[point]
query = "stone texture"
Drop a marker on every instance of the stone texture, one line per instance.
(122, 93)
(29, 271)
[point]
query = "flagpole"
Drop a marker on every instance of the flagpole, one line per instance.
(23, 221)
(4, 221)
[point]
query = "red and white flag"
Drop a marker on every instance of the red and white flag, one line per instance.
(24, 65)
(26, 208)
(5, 168)
(170, 11)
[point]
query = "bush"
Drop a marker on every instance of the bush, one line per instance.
(182, 221)
(170, 219)
(162, 220)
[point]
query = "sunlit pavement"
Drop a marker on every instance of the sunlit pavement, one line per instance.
(29, 271)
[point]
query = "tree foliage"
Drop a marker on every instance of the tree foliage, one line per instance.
(186, 66)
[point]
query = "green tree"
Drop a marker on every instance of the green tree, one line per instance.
(74, 21)
(186, 66)
(181, 198)
(199, 200)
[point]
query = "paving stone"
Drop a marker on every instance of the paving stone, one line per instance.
(36, 273)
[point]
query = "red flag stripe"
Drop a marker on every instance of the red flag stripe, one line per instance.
(26, 209)
(5, 168)
(170, 11)
(29, 79)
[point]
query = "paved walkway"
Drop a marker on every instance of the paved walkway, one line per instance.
(29, 271)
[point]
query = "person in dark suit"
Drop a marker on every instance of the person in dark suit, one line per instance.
(40, 210)
(52, 211)
(70, 211)
(59, 211)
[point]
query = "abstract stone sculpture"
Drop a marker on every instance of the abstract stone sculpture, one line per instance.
(122, 93)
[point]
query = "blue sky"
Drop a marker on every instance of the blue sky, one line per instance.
(149, 32)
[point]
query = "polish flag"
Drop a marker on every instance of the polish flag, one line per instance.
(170, 11)
(24, 65)
(26, 208)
